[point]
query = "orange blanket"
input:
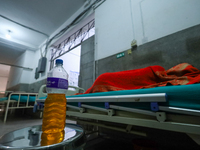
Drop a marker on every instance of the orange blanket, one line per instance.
(148, 77)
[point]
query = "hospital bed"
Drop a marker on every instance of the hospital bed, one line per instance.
(22, 100)
(171, 108)
(18, 100)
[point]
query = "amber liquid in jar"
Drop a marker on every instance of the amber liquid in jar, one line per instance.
(54, 114)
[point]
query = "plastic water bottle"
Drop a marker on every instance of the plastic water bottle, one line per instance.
(57, 79)
(54, 114)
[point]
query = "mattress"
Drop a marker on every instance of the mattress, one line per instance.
(23, 98)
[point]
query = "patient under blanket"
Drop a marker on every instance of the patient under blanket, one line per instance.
(149, 77)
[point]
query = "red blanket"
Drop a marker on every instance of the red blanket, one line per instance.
(148, 77)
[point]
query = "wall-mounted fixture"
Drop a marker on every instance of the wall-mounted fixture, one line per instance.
(133, 45)
(42, 65)
(36, 73)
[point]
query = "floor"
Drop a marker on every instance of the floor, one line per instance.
(102, 143)
(15, 123)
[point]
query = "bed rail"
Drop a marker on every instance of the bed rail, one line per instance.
(159, 117)
(20, 105)
(4, 93)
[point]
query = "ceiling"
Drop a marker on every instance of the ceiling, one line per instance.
(42, 15)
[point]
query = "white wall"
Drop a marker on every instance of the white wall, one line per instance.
(147, 20)
(20, 75)
(16, 73)
(113, 30)
(4, 73)
(42, 76)
(161, 18)
(29, 58)
(3, 81)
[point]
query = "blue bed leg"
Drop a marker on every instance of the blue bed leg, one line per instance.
(38, 106)
(107, 105)
(35, 108)
(154, 106)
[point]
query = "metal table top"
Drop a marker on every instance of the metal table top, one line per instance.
(30, 138)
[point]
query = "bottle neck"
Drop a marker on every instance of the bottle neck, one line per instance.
(59, 65)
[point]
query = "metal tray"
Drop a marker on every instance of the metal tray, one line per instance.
(29, 138)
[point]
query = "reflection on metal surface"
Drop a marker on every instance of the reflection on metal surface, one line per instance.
(34, 138)
(52, 138)
(9, 139)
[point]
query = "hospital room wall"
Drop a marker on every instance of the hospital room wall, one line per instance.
(171, 38)
(19, 78)
(3, 84)
(119, 22)
(35, 84)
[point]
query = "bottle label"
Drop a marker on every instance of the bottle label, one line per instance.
(57, 83)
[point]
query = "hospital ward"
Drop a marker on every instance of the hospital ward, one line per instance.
(99, 75)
